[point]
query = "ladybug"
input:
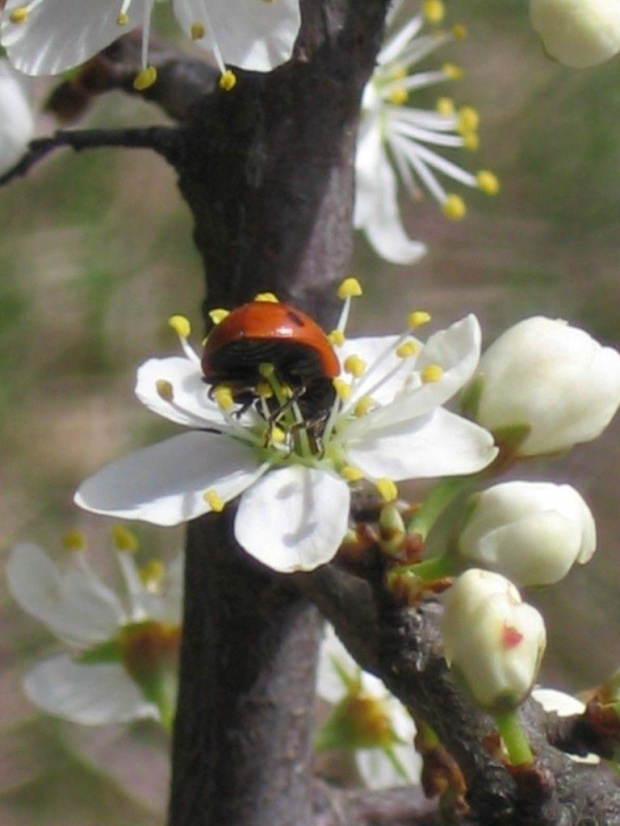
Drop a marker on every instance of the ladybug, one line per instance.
(275, 333)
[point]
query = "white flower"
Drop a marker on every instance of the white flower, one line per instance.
(531, 532)
(493, 642)
(579, 33)
(366, 719)
(385, 425)
(394, 142)
(16, 117)
(46, 37)
(553, 381)
(564, 705)
(107, 678)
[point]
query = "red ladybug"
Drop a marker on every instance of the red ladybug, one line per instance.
(275, 333)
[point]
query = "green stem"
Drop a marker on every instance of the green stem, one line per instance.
(436, 501)
(430, 569)
(511, 732)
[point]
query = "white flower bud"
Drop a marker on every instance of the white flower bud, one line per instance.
(579, 33)
(532, 532)
(16, 118)
(552, 379)
(493, 642)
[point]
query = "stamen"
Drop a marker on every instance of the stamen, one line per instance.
(224, 398)
(181, 326)
(145, 78)
(152, 575)
(469, 119)
(227, 81)
(355, 366)
(164, 390)
(398, 95)
(197, 31)
(387, 489)
(351, 474)
(264, 390)
(487, 182)
(19, 15)
(122, 19)
(431, 373)
(417, 319)
(336, 338)
(124, 539)
(74, 541)
(459, 31)
(471, 141)
(343, 389)
(454, 207)
(350, 288)
(453, 71)
(363, 406)
(433, 10)
(218, 315)
(445, 106)
(407, 349)
(214, 500)
(271, 298)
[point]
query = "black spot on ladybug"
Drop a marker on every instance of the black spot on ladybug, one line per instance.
(297, 321)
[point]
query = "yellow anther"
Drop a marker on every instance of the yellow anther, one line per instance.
(453, 71)
(336, 338)
(469, 119)
(459, 31)
(122, 19)
(433, 10)
(398, 95)
(164, 389)
(19, 15)
(218, 315)
(363, 406)
(418, 318)
(387, 489)
(144, 79)
(407, 348)
(355, 366)
(266, 370)
(74, 541)
(343, 389)
(454, 207)
(351, 474)
(152, 574)
(487, 182)
(398, 72)
(431, 373)
(445, 106)
(471, 141)
(350, 288)
(214, 500)
(124, 539)
(223, 397)
(277, 436)
(197, 31)
(287, 391)
(180, 325)
(270, 298)
(228, 80)
(264, 390)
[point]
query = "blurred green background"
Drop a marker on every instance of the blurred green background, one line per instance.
(96, 253)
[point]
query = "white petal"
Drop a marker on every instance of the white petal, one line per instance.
(60, 34)
(75, 605)
(88, 694)
(379, 772)
(16, 118)
(442, 444)
(385, 372)
(293, 519)
(249, 34)
(333, 656)
(164, 484)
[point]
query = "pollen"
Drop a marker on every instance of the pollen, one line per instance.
(277, 435)
(433, 10)
(144, 79)
(227, 81)
(269, 298)
(218, 315)
(351, 474)
(214, 500)
(487, 182)
(431, 373)
(363, 406)
(469, 119)
(181, 326)
(454, 207)
(355, 366)
(164, 389)
(398, 95)
(74, 541)
(122, 19)
(19, 15)
(336, 338)
(350, 288)
(453, 71)
(197, 31)
(445, 106)
(343, 389)
(124, 539)
(152, 575)
(387, 489)
(417, 319)
(223, 397)
(407, 349)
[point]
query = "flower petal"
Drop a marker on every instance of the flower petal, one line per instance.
(16, 118)
(293, 519)
(379, 772)
(88, 694)
(165, 483)
(59, 34)
(75, 605)
(442, 444)
(249, 34)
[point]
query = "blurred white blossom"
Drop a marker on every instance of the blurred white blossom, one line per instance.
(16, 116)
(579, 33)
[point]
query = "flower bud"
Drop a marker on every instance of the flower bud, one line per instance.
(493, 642)
(532, 532)
(578, 33)
(550, 382)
